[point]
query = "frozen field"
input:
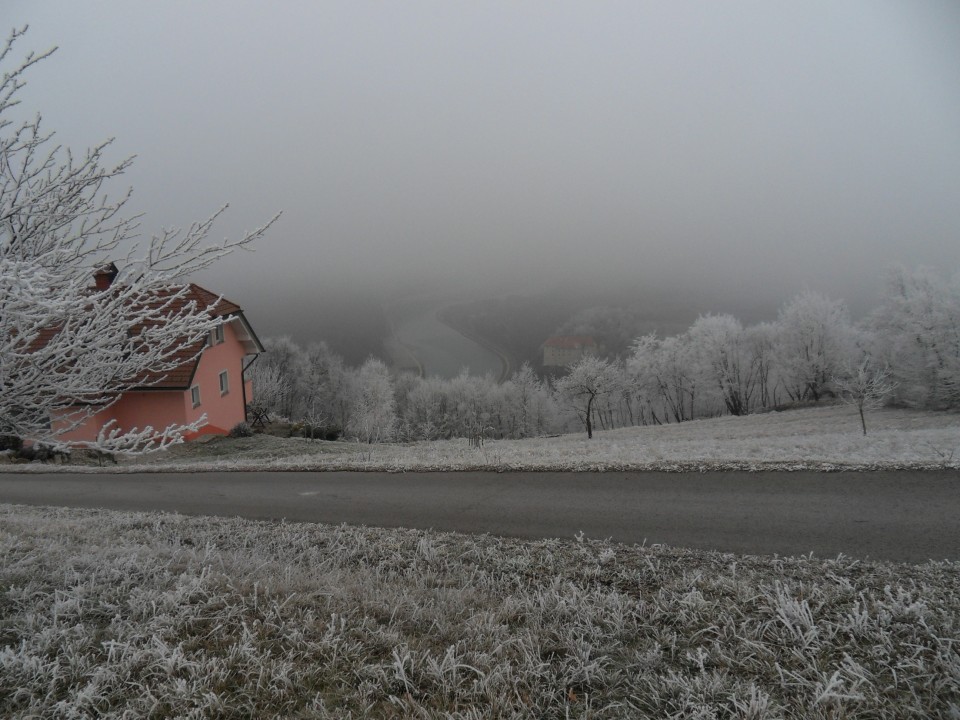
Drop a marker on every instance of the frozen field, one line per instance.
(821, 438)
(807, 438)
(110, 614)
(812, 438)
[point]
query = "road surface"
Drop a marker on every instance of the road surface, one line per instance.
(904, 516)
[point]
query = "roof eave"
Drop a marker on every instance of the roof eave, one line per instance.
(257, 346)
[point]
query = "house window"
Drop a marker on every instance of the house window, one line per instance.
(216, 335)
(195, 395)
(224, 383)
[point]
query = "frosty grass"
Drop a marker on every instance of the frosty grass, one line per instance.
(148, 615)
(820, 438)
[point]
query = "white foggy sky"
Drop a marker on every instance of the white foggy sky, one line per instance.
(748, 148)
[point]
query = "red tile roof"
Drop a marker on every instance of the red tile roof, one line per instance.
(180, 376)
(216, 305)
(188, 354)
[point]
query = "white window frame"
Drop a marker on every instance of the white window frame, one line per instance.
(195, 395)
(216, 335)
(224, 383)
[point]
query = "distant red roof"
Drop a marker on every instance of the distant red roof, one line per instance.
(570, 342)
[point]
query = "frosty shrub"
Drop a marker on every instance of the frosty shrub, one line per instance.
(10, 442)
(319, 431)
(241, 430)
(40, 452)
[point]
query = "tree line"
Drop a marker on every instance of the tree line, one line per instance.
(907, 351)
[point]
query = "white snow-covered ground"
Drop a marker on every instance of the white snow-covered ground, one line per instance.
(828, 438)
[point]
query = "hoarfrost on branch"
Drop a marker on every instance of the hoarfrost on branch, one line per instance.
(68, 350)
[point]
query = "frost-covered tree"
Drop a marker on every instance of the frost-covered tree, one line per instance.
(716, 366)
(761, 342)
(588, 383)
(473, 406)
(316, 384)
(616, 408)
(328, 386)
(373, 416)
(643, 379)
(865, 386)
(527, 388)
(270, 386)
(470, 404)
(918, 324)
(678, 380)
(664, 375)
(719, 346)
(289, 361)
(426, 415)
(813, 344)
(67, 349)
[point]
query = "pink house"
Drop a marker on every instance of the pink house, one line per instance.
(210, 383)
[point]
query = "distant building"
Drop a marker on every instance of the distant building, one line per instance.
(566, 350)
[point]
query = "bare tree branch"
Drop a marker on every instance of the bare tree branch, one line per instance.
(69, 350)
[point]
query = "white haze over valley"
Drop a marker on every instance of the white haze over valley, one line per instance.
(691, 157)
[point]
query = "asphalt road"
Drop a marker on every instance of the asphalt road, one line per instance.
(905, 516)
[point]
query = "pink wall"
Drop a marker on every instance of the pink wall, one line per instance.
(161, 408)
(158, 408)
(86, 432)
(223, 412)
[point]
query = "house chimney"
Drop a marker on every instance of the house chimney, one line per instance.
(105, 275)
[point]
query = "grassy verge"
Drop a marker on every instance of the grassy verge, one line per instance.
(107, 614)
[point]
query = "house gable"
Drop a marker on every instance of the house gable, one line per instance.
(223, 410)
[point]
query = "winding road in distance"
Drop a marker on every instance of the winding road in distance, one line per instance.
(903, 516)
(424, 340)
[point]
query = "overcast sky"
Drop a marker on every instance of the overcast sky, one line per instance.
(742, 148)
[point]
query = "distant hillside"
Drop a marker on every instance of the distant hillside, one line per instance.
(520, 323)
(352, 326)
(517, 324)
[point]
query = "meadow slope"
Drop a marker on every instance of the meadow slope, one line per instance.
(818, 438)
